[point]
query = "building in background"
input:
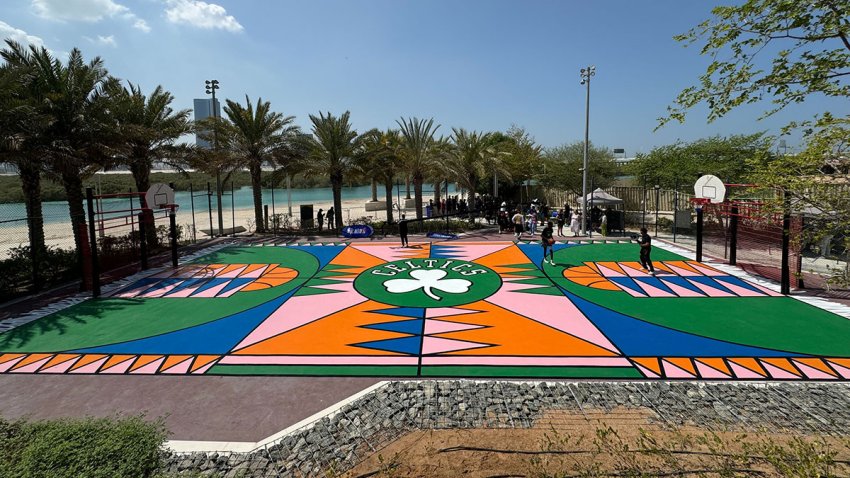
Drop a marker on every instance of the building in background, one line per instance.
(204, 109)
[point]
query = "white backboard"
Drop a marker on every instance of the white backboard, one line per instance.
(159, 195)
(711, 188)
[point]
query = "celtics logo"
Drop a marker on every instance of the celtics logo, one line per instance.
(428, 282)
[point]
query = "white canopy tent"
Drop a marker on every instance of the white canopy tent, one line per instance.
(602, 199)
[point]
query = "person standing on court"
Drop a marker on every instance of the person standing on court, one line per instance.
(331, 218)
(575, 223)
(402, 231)
(645, 242)
(517, 220)
(604, 225)
(320, 218)
(561, 221)
(548, 243)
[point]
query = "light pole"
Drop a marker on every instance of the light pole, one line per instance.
(211, 86)
(657, 190)
(586, 74)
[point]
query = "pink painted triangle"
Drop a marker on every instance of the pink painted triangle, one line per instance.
(234, 273)
(741, 291)
(709, 271)
(608, 272)
(777, 372)
(844, 371)
(442, 326)
(708, 372)
(673, 371)
(812, 372)
(682, 291)
(645, 371)
(632, 272)
(92, 367)
(150, 368)
(653, 291)
(447, 311)
(33, 367)
(682, 272)
(436, 345)
(180, 368)
(710, 291)
(742, 372)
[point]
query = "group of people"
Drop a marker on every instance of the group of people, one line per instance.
(320, 218)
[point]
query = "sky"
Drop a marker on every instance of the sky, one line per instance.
(478, 64)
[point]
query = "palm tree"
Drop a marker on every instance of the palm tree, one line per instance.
(419, 149)
(474, 156)
(20, 132)
(147, 130)
(334, 145)
(254, 135)
(73, 97)
(378, 161)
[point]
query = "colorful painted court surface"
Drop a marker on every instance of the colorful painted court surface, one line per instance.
(486, 309)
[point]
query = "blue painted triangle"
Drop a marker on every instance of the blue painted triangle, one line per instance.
(682, 282)
(405, 345)
(323, 254)
(634, 337)
(209, 285)
(443, 252)
(413, 326)
(705, 280)
(417, 312)
(139, 283)
(234, 283)
(738, 282)
(654, 282)
(627, 282)
(186, 284)
(216, 337)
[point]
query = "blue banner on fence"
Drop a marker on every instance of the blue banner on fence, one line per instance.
(360, 230)
(441, 235)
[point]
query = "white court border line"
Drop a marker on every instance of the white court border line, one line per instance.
(823, 304)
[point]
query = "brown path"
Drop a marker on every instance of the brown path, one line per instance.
(195, 408)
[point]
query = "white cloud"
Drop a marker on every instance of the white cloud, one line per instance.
(142, 25)
(201, 15)
(20, 36)
(91, 11)
(78, 10)
(108, 41)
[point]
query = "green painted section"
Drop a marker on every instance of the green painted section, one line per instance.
(105, 321)
(521, 372)
(320, 370)
(780, 323)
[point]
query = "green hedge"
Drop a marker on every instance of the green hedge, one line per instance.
(81, 448)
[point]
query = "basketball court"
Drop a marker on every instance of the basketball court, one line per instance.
(438, 309)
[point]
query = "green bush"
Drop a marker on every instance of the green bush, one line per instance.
(81, 448)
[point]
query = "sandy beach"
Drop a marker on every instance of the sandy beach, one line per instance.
(58, 234)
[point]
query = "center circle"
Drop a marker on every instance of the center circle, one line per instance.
(433, 282)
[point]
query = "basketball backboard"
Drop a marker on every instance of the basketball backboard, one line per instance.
(159, 196)
(710, 187)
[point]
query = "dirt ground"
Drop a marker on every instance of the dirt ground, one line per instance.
(623, 442)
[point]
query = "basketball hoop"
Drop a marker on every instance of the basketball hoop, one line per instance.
(711, 188)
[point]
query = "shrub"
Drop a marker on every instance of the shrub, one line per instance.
(81, 448)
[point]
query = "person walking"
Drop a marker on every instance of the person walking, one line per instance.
(645, 242)
(331, 218)
(575, 223)
(548, 243)
(320, 219)
(604, 225)
(517, 220)
(561, 220)
(402, 231)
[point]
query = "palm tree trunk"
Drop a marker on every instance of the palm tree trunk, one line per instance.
(374, 190)
(336, 186)
(417, 194)
(73, 184)
(257, 190)
(31, 186)
(141, 170)
(438, 196)
(388, 189)
(407, 183)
